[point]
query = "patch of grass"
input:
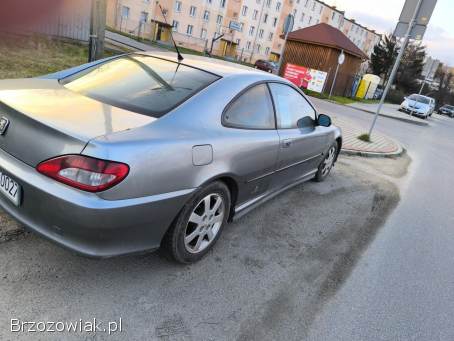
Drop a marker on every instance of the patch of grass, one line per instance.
(25, 56)
(339, 99)
(364, 138)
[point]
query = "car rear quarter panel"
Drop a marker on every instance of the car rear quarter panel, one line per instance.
(160, 154)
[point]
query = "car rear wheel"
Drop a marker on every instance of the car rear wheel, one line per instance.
(199, 224)
(327, 164)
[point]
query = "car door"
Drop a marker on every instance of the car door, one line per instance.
(302, 141)
(253, 142)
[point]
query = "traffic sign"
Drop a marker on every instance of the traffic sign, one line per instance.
(341, 58)
(426, 8)
(424, 13)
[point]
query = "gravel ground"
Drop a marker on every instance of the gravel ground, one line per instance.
(266, 279)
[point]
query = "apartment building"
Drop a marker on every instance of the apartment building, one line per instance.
(246, 29)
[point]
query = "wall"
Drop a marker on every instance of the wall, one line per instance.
(324, 59)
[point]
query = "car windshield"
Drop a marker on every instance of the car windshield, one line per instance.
(144, 84)
(450, 107)
(420, 99)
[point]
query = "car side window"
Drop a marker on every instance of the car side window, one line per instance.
(291, 107)
(252, 110)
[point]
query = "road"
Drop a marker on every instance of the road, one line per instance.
(403, 286)
(340, 260)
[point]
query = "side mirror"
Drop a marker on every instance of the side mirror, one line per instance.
(324, 120)
(405, 98)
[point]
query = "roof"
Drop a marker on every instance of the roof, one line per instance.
(326, 35)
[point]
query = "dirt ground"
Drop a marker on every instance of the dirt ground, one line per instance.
(266, 279)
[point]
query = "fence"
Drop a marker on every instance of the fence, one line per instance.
(62, 18)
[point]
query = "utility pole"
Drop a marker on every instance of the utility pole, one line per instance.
(427, 76)
(97, 30)
(396, 65)
(340, 61)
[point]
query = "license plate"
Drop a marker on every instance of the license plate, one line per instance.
(10, 188)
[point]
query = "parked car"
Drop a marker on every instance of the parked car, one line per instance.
(137, 151)
(446, 110)
(418, 105)
(265, 65)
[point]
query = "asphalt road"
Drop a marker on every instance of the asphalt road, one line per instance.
(341, 260)
(267, 278)
(403, 286)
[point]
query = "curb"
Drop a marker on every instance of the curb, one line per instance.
(403, 119)
(351, 152)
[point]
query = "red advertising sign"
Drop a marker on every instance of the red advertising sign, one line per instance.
(298, 75)
(304, 77)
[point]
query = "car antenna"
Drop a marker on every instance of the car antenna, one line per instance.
(179, 56)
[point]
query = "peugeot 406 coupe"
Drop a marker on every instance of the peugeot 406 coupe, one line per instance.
(138, 151)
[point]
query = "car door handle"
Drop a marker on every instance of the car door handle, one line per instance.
(286, 143)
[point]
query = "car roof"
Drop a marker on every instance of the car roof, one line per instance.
(215, 66)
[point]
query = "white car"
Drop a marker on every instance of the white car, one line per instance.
(418, 105)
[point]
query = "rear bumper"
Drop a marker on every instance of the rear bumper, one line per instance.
(85, 223)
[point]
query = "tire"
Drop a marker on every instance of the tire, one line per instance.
(197, 229)
(325, 168)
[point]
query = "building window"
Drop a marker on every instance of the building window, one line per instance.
(259, 48)
(268, 3)
(267, 51)
(270, 36)
(175, 26)
(307, 3)
(251, 30)
(125, 12)
(206, 15)
(333, 16)
(143, 17)
(261, 33)
(222, 3)
(265, 18)
(203, 33)
(278, 6)
(219, 19)
(192, 11)
(302, 17)
(320, 10)
(238, 41)
(244, 11)
(189, 30)
(274, 22)
(254, 15)
(310, 21)
(313, 6)
(178, 6)
(248, 45)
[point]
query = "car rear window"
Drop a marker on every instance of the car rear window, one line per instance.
(420, 99)
(140, 83)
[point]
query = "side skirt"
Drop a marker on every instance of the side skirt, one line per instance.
(248, 206)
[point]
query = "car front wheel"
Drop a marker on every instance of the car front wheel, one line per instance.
(199, 224)
(327, 164)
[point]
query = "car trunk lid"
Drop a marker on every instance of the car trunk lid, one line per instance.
(47, 120)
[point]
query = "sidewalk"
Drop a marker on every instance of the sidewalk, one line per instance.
(390, 111)
(381, 145)
(120, 40)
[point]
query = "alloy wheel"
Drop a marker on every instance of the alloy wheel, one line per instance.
(329, 161)
(204, 223)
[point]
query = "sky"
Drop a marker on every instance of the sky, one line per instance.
(382, 15)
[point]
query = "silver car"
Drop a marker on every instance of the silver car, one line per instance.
(137, 151)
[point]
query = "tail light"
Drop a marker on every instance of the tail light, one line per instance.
(83, 172)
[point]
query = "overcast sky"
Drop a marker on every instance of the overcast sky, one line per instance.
(382, 15)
